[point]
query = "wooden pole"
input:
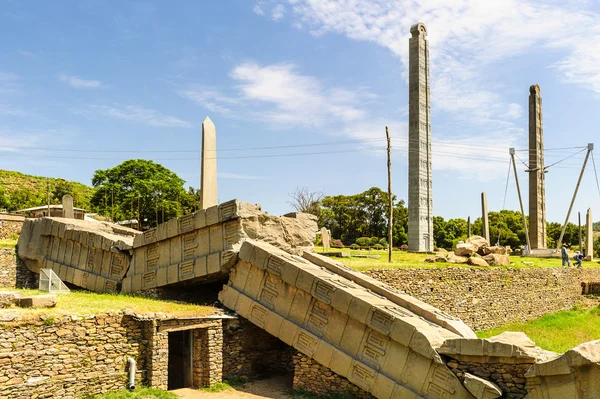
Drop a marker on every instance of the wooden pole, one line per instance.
(562, 233)
(512, 157)
(391, 202)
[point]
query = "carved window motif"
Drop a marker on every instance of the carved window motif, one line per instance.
(152, 255)
(374, 348)
(150, 235)
(117, 265)
(440, 383)
(84, 278)
(318, 317)
(363, 377)
(275, 265)
(186, 223)
(190, 243)
(270, 290)
(90, 258)
(231, 233)
(228, 211)
(324, 291)
(186, 270)
(110, 286)
(258, 315)
(148, 278)
(306, 344)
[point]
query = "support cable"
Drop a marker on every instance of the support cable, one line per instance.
(595, 172)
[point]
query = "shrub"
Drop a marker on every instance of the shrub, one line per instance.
(355, 246)
(373, 241)
(383, 242)
(404, 247)
(363, 241)
(337, 244)
(378, 246)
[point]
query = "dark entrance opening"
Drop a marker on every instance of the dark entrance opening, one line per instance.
(180, 359)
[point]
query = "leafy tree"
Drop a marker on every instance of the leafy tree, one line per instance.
(597, 246)
(139, 189)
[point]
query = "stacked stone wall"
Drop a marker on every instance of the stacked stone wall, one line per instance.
(310, 376)
(510, 378)
(13, 272)
(249, 351)
(8, 228)
(68, 357)
(487, 298)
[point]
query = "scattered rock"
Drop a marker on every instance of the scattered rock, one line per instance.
(8, 299)
(465, 249)
(494, 250)
(478, 241)
(497, 260)
(435, 258)
(477, 261)
(459, 260)
(39, 301)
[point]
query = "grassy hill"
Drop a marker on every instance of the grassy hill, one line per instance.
(18, 191)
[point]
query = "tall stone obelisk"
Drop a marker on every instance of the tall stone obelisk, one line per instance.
(208, 174)
(537, 185)
(589, 235)
(420, 202)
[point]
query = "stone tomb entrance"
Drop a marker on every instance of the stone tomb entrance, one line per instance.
(180, 367)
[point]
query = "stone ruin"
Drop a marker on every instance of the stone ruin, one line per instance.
(476, 251)
(382, 340)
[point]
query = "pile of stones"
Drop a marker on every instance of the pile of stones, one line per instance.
(476, 251)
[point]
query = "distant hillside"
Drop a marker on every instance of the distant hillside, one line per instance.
(18, 191)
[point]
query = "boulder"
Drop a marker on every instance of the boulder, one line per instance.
(497, 260)
(39, 301)
(459, 260)
(480, 388)
(441, 251)
(494, 250)
(477, 261)
(435, 258)
(8, 299)
(465, 249)
(479, 241)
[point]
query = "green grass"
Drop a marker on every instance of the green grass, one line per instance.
(557, 332)
(218, 387)
(403, 259)
(8, 243)
(85, 303)
(141, 393)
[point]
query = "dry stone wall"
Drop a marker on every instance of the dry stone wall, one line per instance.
(13, 272)
(67, 357)
(487, 298)
(8, 228)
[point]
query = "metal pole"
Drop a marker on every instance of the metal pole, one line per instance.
(512, 157)
(562, 233)
(391, 202)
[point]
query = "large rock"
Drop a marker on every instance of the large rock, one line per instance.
(477, 261)
(8, 299)
(459, 260)
(435, 258)
(38, 301)
(497, 260)
(574, 374)
(480, 388)
(494, 250)
(478, 241)
(465, 249)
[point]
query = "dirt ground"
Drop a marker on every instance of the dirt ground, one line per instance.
(273, 388)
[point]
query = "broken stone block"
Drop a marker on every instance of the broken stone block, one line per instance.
(497, 260)
(480, 388)
(39, 301)
(465, 249)
(477, 261)
(9, 298)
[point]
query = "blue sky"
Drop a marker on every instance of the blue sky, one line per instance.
(78, 79)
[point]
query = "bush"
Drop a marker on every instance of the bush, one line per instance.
(140, 393)
(337, 244)
(383, 242)
(404, 247)
(363, 241)
(355, 246)
(373, 241)
(378, 246)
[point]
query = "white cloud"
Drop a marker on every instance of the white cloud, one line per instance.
(277, 12)
(26, 54)
(7, 110)
(79, 83)
(9, 82)
(136, 114)
(283, 97)
(258, 10)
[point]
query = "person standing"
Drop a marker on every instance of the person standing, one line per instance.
(565, 256)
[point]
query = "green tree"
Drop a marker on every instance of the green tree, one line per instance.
(140, 189)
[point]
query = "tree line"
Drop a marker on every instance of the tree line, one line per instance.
(351, 218)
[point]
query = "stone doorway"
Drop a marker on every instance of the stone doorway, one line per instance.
(180, 360)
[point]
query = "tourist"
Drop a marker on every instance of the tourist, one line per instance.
(565, 256)
(578, 258)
